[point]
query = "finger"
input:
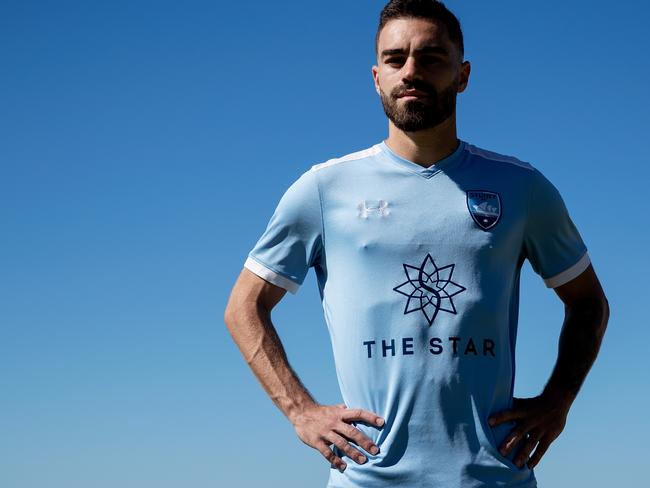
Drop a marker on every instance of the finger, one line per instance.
(528, 446)
(343, 445)
(359, 414)
(341, 405)
(539, 452)
(357, 437)
(513, 439)
(506, 415)
(334, 460)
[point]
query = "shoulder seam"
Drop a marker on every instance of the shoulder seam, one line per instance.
(493, 156)
(355, 156)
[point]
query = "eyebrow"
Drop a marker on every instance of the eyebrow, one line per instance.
(424, 49)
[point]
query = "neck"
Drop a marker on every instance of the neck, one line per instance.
(424, 147)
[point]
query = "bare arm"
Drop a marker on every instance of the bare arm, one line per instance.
(541, 419)
(248, 318)
(586, 315)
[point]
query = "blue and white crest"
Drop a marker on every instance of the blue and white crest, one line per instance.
(484, 207)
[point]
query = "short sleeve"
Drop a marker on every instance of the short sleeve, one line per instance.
(552, 243)
(292, 241)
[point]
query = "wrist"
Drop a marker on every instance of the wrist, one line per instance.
(299, 407)
(559, 395)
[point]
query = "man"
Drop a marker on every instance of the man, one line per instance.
(417, 244)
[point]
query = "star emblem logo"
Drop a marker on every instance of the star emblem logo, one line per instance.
(429, 289)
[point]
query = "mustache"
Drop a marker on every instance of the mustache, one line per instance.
(417, 85)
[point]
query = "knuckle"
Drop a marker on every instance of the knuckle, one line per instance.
(350, 431)
(349, 450)
(519, 433)
(329, 437)
(327, 453)
(529, 442)
(534, 459)
(356, 455)
(337, 463)
(537, 455)
(341, 444)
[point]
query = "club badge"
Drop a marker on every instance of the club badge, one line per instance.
(484, 207)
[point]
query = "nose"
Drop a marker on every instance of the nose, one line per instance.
(410, 69)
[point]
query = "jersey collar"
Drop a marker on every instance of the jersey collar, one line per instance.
(443, 164)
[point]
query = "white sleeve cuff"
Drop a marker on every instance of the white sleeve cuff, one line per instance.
(271, 276)
(570, 273)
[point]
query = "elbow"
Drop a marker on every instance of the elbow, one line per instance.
(605, 312)
(594, 310)
(233, 309)
(601, 311)
(229, 315)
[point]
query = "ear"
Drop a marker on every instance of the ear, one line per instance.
(465, 70)
(375, 77)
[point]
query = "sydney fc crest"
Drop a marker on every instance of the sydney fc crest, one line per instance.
(484, 207)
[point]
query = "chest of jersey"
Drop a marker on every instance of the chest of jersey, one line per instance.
(433, 245)
(377, 222)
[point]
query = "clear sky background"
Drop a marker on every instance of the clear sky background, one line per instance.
(143, 148)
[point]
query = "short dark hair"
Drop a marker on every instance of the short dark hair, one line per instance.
(425, 9)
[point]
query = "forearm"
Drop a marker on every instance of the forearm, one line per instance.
(258, 341)
(582, 332)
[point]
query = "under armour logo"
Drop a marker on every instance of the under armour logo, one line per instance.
(367, 206)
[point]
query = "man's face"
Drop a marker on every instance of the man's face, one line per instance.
(418, 73)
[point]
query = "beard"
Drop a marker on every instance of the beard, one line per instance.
(423, 113)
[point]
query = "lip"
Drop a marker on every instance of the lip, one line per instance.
(412, 94)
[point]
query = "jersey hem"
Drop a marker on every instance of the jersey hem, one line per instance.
(569, 273)
(266, 273)
(530, 483)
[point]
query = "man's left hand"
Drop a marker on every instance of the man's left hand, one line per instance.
(540, 419)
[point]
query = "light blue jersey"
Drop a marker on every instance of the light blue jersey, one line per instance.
(418, 271)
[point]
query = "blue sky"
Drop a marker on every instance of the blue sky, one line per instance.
(143, 147)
